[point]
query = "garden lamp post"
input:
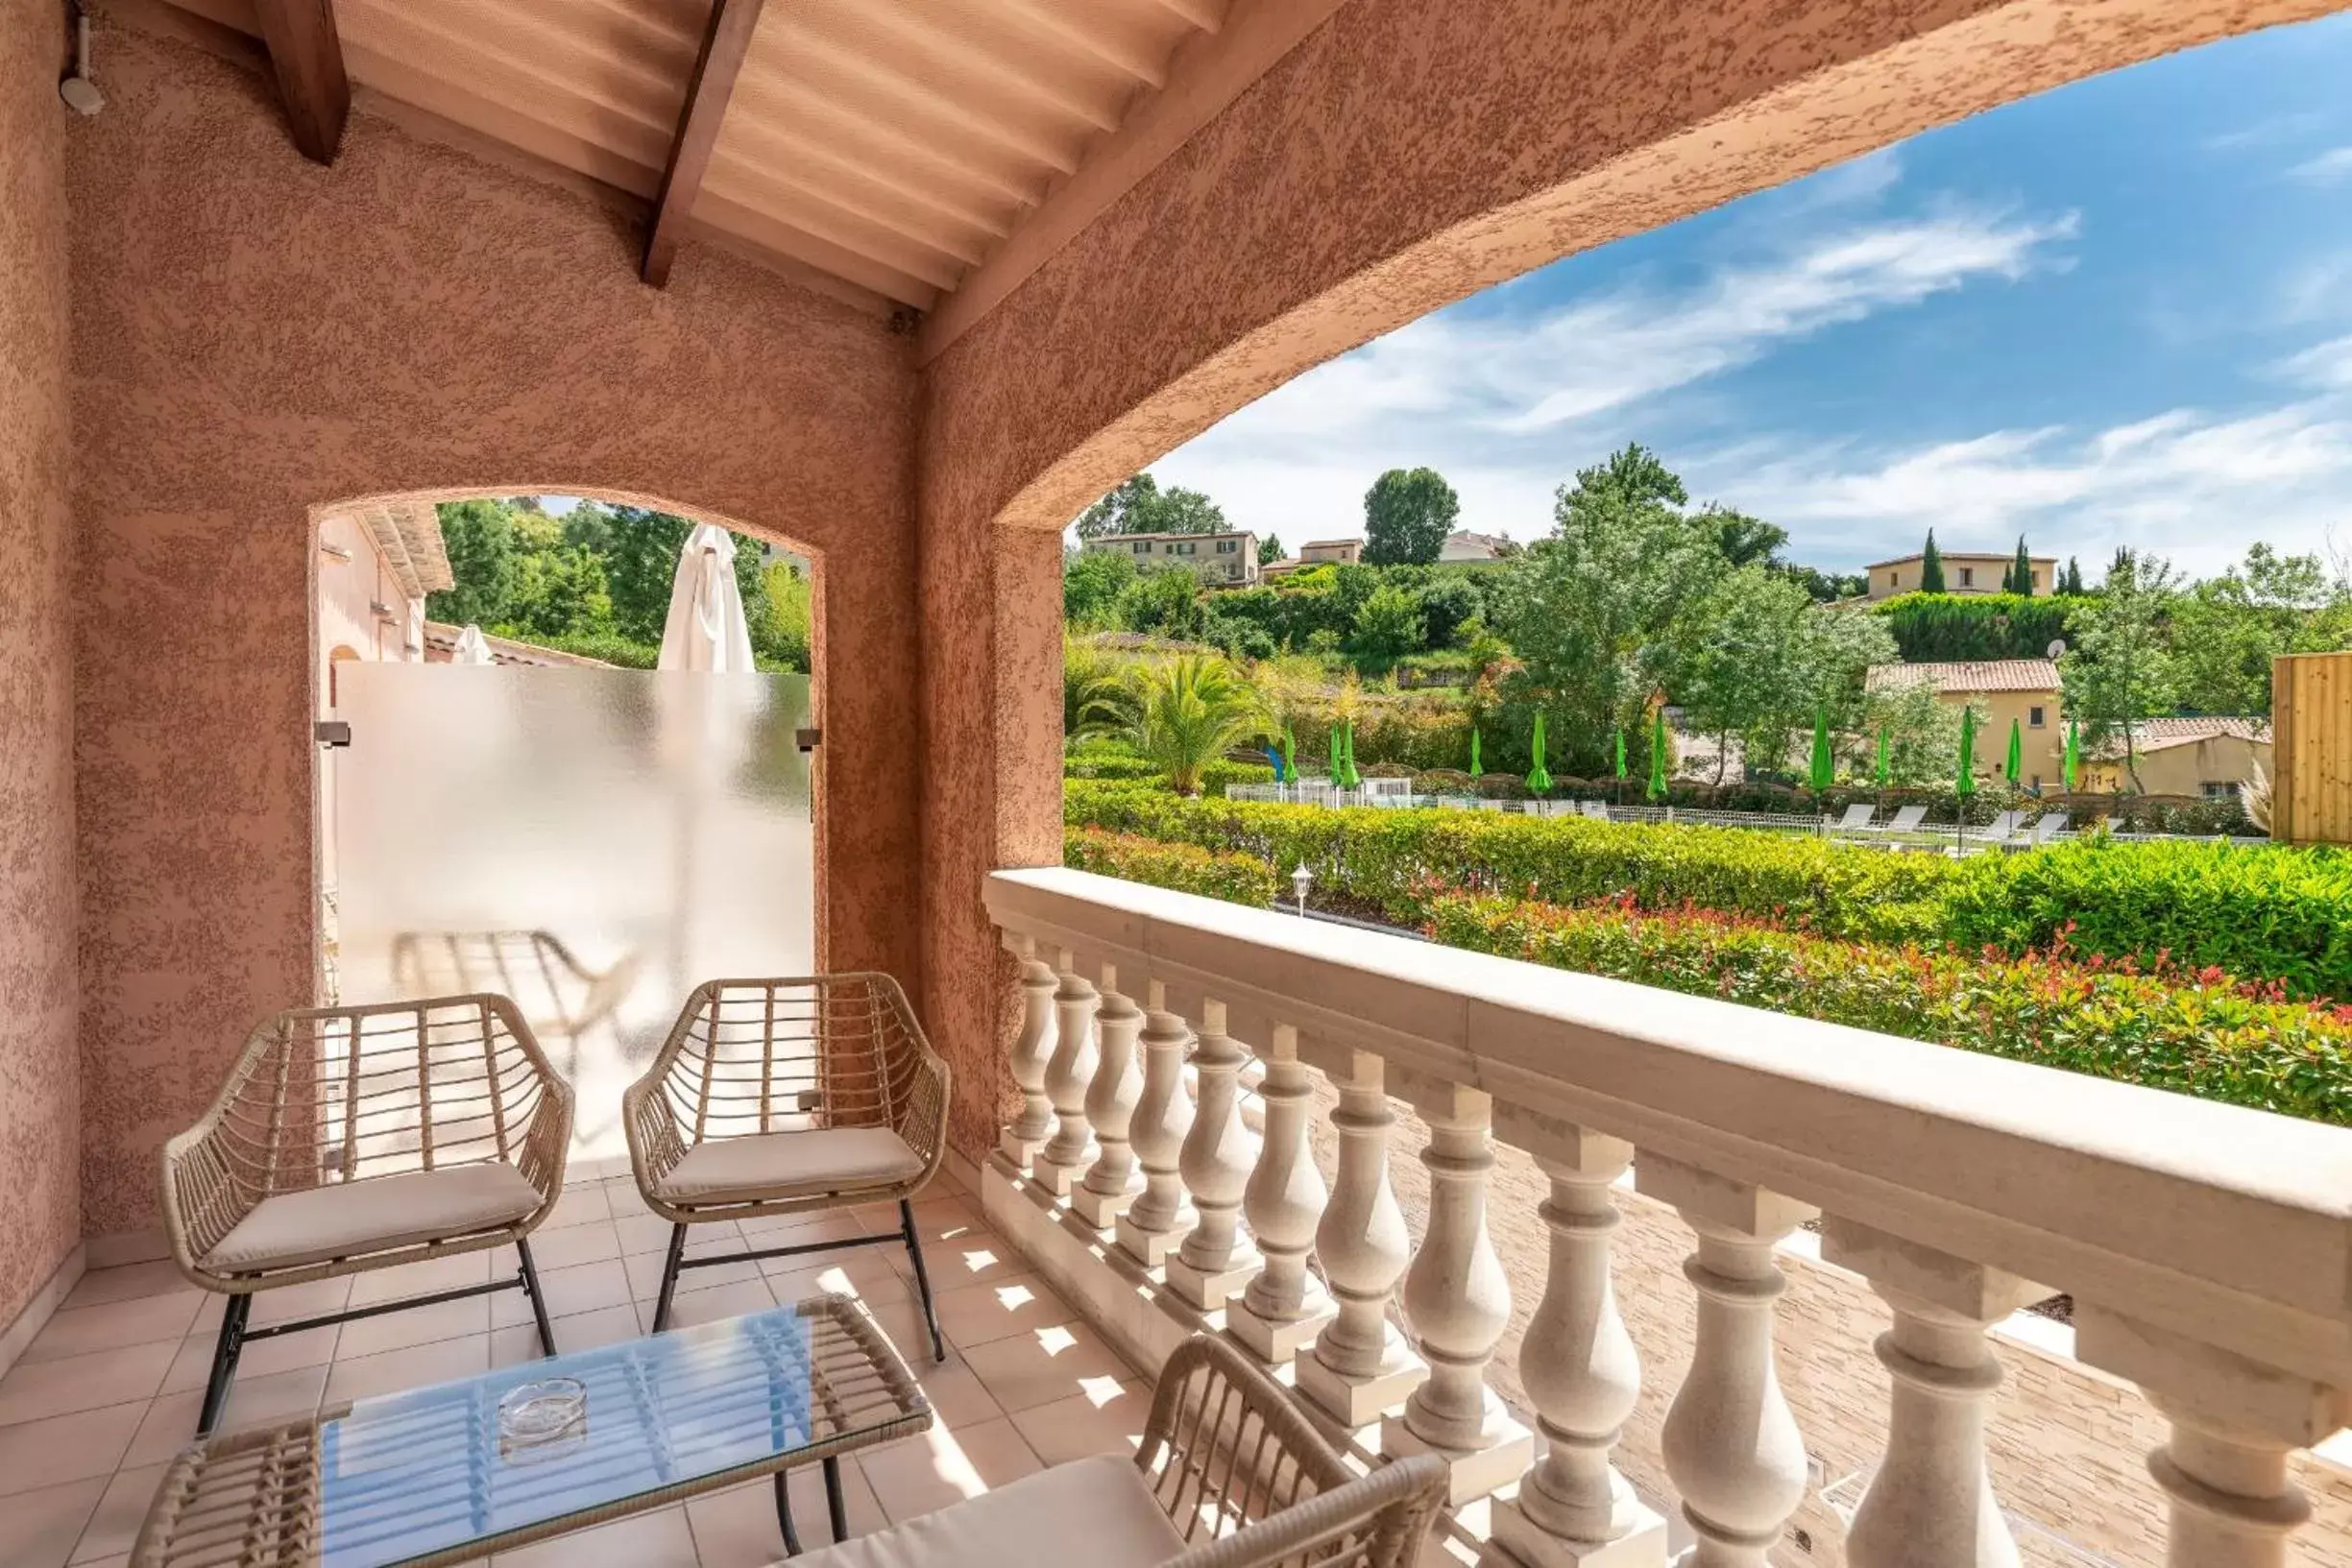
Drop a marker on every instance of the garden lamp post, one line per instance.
(1300, 881)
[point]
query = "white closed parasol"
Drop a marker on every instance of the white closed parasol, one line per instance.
(705, 629)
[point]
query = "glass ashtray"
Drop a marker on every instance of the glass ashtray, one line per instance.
(543, 1419)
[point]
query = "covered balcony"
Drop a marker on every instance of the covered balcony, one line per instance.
(901, 287)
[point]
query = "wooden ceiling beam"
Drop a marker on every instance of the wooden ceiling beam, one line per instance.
(724, 43)
(306, 56)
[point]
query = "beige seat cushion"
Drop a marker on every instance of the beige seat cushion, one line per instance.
(772, 1165)
(374, 1215)
(1096, 1511)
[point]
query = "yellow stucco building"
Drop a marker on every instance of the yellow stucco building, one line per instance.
(2025, 691)
(2210, 757)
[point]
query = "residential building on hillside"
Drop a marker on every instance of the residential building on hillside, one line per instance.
(1464, 549)
(1228, 559)
(1963, 573)
(2213, 757)
(1314, 552)
(2025, 691)
(375, 565)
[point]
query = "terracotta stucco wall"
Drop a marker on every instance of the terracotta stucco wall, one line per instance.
(1399, 157)
(252, 336)
(40, 1073)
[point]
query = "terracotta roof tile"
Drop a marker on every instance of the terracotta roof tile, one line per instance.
(1970, 675)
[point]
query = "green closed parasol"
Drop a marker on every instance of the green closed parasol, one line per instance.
(1823, 766)
(1657, 757)
(1539, 777)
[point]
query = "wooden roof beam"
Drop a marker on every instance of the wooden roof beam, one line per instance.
(724, 43)
(306, 56)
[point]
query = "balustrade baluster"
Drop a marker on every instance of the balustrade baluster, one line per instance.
(1112, 1182)
(2235, 1422)
(1031, 1053)
(1216, 1261)
(1579, 1369)
(1931, 1505)
(1457, 1303)
(1068, 1075)
(1159, 1218)
(1731, 1443)
(1360, 1365)
(1283, 1307)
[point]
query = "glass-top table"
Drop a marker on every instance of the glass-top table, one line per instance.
(453, 1472)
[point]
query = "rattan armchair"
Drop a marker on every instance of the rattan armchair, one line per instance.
(1229, 1476)
(352, 1139)
(789, 1096)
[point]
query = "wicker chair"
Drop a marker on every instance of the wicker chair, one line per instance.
(352, 1139)
(789, 1096)
(1229, 1476)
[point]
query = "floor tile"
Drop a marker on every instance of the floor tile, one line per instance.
(80, 1331)
(660, 1539)
(1107, 1418)
(588, 1288)
(1037, 1368)
(981, 1313)
(574, 1246)
(645, 1271)
(582, 1331)
(260, 1357)
(941, 1467)
(578, 1206)
(126, 1283)
(414, 1279)
(751, 1295)
(800, 1229)
(863, 1273)
(642, 1231)
(39, 1528)
(415, 1368)
(955, 1394)
(902, 1323)
(254, 1401)
(417, 1326)
(956, 1256)
(114, 1523)
(34, 1389)
(289, 1303)
(63, 1448)
(737, 1527)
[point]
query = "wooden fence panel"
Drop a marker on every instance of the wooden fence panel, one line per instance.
(2311, 797)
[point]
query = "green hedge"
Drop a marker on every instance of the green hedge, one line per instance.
(1934, 627)
(1395, 861)
(2210, 1040)
(1116, 763)
(1237, 879)
(2260, 912)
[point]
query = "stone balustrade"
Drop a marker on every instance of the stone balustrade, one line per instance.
(2207, 1248)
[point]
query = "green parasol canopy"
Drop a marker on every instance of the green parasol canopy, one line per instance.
(1290, 755)
(1964, 783)
(1882, 772)
(1350, 778)
(1338, 761)
(1657, 757)
(1825, 766)
(2015, 767)
(1621, 753)
(1539, 777)
(1476, 772)
(2073, 752)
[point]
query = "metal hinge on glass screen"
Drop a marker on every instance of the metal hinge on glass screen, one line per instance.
(808, 739)
(331, 732)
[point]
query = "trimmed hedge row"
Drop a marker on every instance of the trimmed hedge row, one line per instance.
(1237, 879)
(1395, 862)
(2260, 912)
(2201, 1037)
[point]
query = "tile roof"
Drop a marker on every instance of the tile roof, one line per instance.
(2164, 734)
(1970, 675)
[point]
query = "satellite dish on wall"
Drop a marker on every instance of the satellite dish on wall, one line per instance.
(2057, 648)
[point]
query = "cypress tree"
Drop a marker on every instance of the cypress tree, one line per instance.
(1931, 567)
(2021, 574)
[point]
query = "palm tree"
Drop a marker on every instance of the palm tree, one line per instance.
(1095, 698)
(1191, 711)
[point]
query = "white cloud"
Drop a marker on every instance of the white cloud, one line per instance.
(2324, 365)
(2329, 168)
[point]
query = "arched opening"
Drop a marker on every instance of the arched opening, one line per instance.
(527, 785)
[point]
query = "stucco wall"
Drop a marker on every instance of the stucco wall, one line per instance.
(254, 336)
(39, 1076)
(1402, 157)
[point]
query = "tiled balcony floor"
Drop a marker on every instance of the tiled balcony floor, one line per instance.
(110, 1389)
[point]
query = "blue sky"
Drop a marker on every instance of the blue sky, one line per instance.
(2118, 313)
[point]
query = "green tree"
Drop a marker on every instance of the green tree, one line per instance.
(1922, 732)
(1745, 540)
(1096, 696)
(1448, 604)
(2020, 579)
(1139, 506)
(1931, 567)
(1091, 584)
(556, 592)
(790, 614)
(1269, 550)
(1744, 674)
(1407, 515)
(1191, 711)
(2120, 671)
(1389, 625)
(1597, 610)
(1165, 602)
(2069, 581)
(2225, 631)
(479, 538)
